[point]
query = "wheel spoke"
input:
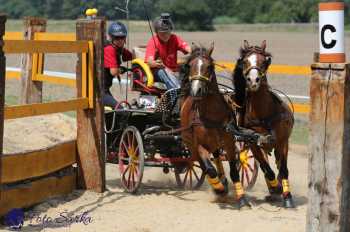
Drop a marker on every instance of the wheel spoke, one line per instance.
(136, 149)
(128, 137)
(247, 176)
(185, 178)
(190, 170)
(125, 147)
(250, 168)
(128, 185)
(124, 174)
(133, 179)
(132, 141)
(195, 174)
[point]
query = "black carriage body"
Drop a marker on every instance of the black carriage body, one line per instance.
(149, 123)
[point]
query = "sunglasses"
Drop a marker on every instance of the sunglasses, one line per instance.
(119, 38)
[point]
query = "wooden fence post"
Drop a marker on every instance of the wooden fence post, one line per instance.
(90, 138)
(31, 90)
(2, 89)
(329, 161)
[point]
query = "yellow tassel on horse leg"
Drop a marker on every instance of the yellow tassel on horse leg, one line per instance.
(271, 183)
(216, 183)
(285, 186)
(238, 189)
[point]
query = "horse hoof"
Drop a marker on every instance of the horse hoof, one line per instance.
(273, 198)
(276, 190)
(288, 203)
(243, 204)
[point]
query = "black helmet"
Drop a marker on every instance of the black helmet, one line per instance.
(163, 23)
(117, 29)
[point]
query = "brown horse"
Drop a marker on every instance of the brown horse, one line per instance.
(204, 114)
(264, 112)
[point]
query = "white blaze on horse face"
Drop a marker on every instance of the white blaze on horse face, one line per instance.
(199, 65)
(253, 75)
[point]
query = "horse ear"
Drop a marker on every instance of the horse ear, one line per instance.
(194, 46)
(246, 44)
(211, 49)
(263, 45)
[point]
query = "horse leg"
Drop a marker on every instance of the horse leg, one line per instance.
(233, 160)
(272, 183)
(220, 188)
(218, 164)
(281, 154)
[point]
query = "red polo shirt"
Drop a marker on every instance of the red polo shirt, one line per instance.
(112, 59)
(167, 51)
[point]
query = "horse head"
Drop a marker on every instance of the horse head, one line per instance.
(201, 71)
(254, 62)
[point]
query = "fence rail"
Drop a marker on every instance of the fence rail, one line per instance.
(22, 111)
(32, 46)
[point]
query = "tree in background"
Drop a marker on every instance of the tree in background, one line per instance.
(189, 15)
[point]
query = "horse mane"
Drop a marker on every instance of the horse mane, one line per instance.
(239, 83)
(185, 68)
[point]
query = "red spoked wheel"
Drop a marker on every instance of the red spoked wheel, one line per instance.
(131, 159)
(189, 175)
(248, 167)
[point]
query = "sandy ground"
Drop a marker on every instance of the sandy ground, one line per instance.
(160, 206)
(35, 133)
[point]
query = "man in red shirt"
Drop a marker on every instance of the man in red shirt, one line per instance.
(161, 52)
(114, 54)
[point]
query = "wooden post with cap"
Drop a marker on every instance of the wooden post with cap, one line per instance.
(2, 89)
(31, 90)
(329, 161)
(90, 137)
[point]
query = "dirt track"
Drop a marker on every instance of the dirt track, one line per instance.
(160, 206)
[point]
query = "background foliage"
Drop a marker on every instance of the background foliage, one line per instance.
(187, 14)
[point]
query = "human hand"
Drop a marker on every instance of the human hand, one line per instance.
(158, 64)
(122, 69)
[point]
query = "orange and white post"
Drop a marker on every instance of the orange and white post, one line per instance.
(331, 32)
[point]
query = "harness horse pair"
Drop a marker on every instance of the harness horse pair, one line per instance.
(215, 126)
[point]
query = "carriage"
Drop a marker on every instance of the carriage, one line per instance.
(146, 133)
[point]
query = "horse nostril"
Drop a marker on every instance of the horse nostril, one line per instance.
(249, 79)
(257, 79)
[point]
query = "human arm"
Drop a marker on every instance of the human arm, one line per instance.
(183, 46)
(150, 56)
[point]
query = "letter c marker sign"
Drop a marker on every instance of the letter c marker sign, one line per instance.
(331, 32)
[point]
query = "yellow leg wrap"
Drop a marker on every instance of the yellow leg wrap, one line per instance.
(285, 185)
(272, 183)
(238, 188)
(216, 183)
(220, 167)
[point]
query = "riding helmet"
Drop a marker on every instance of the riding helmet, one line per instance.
(117, 29)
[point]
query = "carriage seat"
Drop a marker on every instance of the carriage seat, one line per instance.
(143, 76)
